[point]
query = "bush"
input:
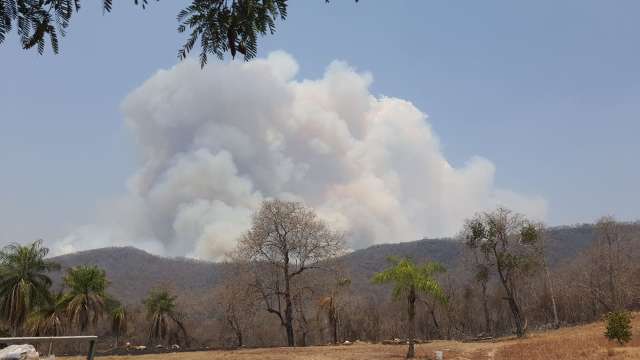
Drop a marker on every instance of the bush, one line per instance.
(618, 326)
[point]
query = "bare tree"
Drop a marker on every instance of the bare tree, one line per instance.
(542, 243)
(285, 240)
(238, 302)
(507, 241)
(329, 304)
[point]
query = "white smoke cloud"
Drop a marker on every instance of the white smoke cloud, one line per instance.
(215, 142)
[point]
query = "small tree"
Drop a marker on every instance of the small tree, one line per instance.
(618, 326)
(238, 304)
(165, 320)
(118, 322)
(329, 305)
(24, 283)
(410, 280)
(48, 319)
(86, 300)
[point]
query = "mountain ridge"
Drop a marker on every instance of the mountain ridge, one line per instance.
(133, 272)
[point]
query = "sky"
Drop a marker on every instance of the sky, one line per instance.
(546, 94)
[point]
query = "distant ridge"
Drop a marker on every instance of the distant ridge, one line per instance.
(133, 272)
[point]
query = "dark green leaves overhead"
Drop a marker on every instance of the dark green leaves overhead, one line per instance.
(217, 26)
(232, 26)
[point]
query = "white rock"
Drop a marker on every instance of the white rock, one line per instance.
(19, 352)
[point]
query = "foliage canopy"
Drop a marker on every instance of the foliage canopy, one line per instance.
(218, 26)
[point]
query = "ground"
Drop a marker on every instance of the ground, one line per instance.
(580, 342)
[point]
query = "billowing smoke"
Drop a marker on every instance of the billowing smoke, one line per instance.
(213, 143)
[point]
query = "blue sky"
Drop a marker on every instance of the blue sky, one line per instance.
(548, 91)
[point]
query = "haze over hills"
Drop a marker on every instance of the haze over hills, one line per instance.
(134, 272)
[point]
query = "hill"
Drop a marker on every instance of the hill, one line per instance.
(134, 272)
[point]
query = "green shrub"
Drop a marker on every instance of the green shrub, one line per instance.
(618, 326)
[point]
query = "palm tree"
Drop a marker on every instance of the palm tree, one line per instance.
(23, 281)
(410, 280)
(49, 319)
(86, 300)
(118, 322)
(165, 321)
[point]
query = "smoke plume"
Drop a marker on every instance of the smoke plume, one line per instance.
(214, 143)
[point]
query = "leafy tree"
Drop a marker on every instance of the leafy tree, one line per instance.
(86, 300)
(410, 280)
(508, 243)
(286, 240)
(618, 326)
(218, 26)
(24, 283)
(165, 320)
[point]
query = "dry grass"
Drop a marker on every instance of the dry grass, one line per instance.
(452, 350)
(583, 342)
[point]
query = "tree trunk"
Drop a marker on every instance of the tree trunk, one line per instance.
(334, 329)
(517, 316)
(554, 307)
(549, 283)
(435, 321)
(303, 338)
(513, 305)
(611, 272)
(239, 338)
(485, 308)
(288, 311)
(411, 353)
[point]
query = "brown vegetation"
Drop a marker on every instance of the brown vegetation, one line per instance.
(288, 285)
(580, 342)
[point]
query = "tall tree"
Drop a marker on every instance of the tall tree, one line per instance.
(285, 240)
(165, 321)
(482, 275)
(24, 283)
(609, 254)
(217, 26)
(411, 280)
(508, 243)
(86, 299)
(542, 248)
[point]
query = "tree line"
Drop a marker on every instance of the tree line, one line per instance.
(29, 306)
(288, 273)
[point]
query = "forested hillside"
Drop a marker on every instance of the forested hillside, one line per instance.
(134, 272)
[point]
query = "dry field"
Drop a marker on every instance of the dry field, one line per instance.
(582, 342)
